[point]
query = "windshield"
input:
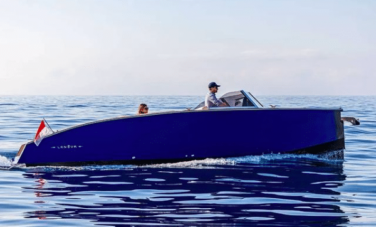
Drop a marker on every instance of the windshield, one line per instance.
(236, 99)
(233, 99)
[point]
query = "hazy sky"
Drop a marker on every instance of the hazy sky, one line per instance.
(172, 47)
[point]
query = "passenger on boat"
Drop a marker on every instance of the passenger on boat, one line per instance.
(210, 99)
(143, 109)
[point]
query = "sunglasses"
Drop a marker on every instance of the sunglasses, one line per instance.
(146, 108)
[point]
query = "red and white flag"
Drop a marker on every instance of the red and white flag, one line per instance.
(43, 131)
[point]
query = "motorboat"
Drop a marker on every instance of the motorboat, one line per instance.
(244, 127)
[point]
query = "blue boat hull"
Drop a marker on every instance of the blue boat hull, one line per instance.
(187, 135)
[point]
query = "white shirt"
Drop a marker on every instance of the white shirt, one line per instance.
(211, 100)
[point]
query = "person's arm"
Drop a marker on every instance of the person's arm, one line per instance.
(214, 100)
(223, 104)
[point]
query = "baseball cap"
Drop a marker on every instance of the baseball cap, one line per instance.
(213, 84)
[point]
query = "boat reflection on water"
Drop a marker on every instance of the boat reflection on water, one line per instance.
(215, 192)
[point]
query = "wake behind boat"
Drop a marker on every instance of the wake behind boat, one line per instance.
(245, 128)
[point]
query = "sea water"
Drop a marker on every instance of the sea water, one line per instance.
(268, 190)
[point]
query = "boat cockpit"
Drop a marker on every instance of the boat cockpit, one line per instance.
(236, 99)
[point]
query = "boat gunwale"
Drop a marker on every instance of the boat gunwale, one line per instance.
(185, 111)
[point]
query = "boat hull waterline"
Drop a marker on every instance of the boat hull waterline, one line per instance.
(188, 135)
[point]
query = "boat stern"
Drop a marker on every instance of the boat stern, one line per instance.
(339, 125)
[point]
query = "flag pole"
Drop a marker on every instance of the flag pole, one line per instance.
(48, 124)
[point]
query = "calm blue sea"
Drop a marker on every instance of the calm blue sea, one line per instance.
(270, 190)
